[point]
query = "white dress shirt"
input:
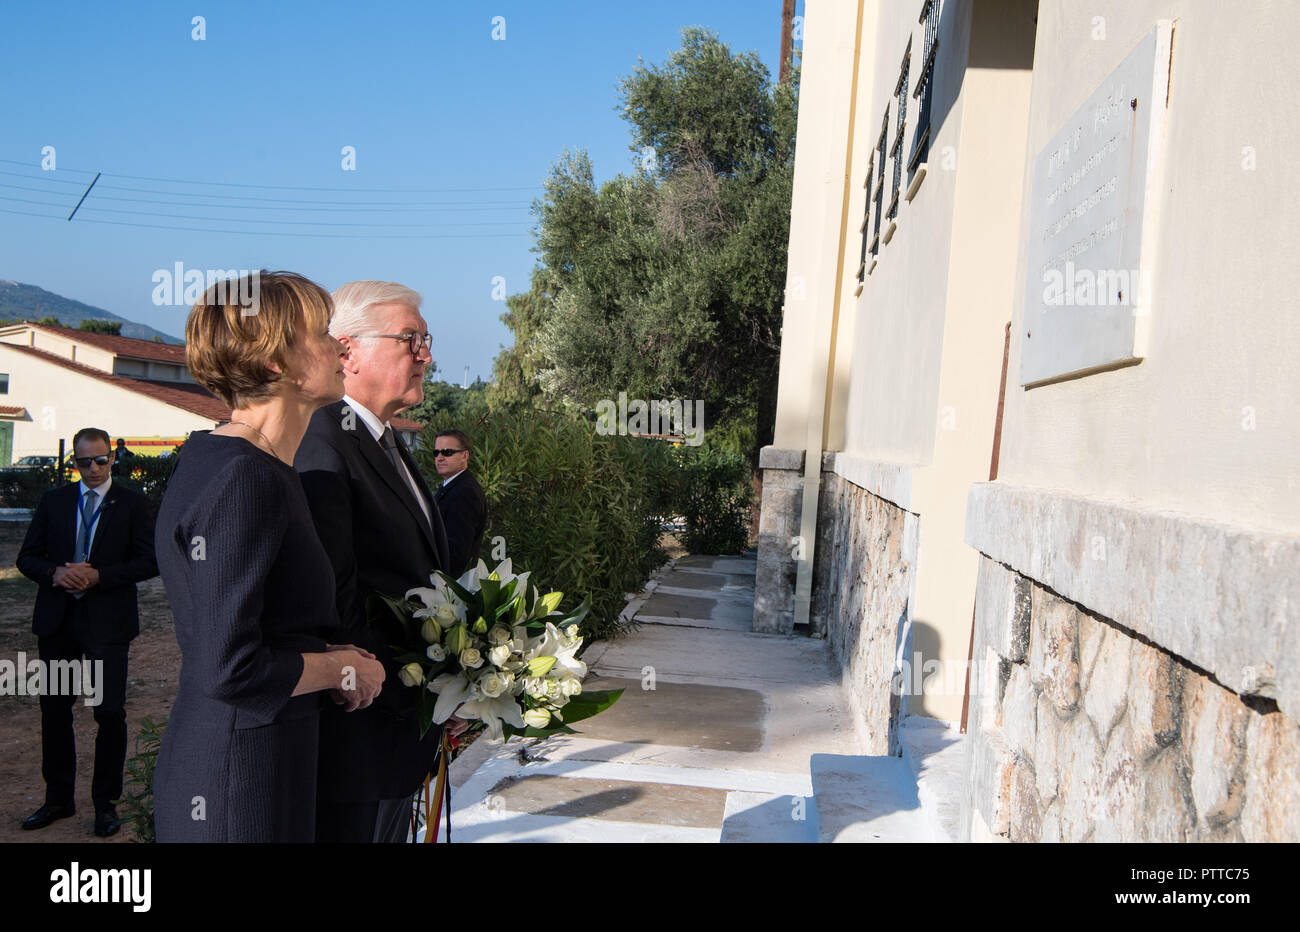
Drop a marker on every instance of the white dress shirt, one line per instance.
(95, 510)
(377, 430)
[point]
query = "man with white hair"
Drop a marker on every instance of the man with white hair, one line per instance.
(383, 533)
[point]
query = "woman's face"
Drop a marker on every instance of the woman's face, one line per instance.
(315, 366)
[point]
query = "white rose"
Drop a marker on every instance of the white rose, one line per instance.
(498, 635)
(471, 659)
(537, 718)
(493, 684)
(446, 614)
(411, 675)
(570, 686)
(499, 654)
(435, 653)
(535, 686)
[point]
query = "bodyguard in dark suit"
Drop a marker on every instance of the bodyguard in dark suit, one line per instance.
(377, 521)
(89, 543)
(460, 499)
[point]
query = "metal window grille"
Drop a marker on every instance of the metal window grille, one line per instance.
(925, 87)
(900, 130)
(866, 218)
(880, 181)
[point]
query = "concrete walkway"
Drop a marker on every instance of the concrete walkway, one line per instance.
(721, 735)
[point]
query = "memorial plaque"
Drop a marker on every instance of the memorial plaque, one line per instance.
(1092, 222)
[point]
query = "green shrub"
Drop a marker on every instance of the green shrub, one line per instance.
(715, 497)
(149, 475)
(579, 510)
(137, 802)
(24, 488)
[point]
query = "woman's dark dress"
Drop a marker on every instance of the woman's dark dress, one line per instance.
(251, 589)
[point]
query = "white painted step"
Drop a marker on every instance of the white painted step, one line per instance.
(766, 819)
(867, 799)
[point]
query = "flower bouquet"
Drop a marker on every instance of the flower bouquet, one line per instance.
(489, 647)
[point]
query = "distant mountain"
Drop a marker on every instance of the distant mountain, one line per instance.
(20, 302)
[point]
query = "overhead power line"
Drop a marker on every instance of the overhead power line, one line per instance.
(187, 229)
(288, 187)
(216, 207)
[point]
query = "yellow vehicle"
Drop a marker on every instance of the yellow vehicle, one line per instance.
(151, 446)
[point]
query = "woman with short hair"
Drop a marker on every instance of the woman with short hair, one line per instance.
(251, 588)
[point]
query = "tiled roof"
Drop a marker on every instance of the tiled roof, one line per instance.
(11, 410)
(122, 346)
(187, 396)
(184, 395)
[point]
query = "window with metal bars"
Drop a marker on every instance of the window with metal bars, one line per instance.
(924, 87)
(878, 196)
(900, 129)
(865, 229)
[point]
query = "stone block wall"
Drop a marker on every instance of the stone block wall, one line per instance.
(1081, 730)
(778, 524)
(862, 579)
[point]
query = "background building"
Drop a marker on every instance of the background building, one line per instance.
(56, 380)
(1034, 404)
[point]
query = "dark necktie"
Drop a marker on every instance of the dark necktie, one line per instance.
(88, 513)
(388, 440)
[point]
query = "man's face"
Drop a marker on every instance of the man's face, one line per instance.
(386, 371)
(450, 465)
(92, 473)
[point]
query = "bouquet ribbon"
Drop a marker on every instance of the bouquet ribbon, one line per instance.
(440, 798)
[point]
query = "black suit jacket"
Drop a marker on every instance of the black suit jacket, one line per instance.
(122, 551)
(378, 541)
(464, 512)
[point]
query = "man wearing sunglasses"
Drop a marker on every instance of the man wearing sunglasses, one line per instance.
(88, 545)
(378, 522)
(460, 499)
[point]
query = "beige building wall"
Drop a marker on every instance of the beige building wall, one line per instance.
(60, 401)
(61, 346)
(1206, 423)
(923, 340)
(819, 180)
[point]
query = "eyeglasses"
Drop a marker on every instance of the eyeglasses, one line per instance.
(414, 340)
(83, 462)
(447, 453)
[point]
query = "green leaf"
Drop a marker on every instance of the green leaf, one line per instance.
(427, 703)
(490, 590)
(458, 590)
(392, 616)
(576, 616)
(586, 704)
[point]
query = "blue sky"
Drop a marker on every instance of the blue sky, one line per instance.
(440, 114)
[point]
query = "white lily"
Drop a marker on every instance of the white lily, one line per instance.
(492, 712)
(452, 689)
(435, 599)
(505, 570)
(472, 576)
(563, 649)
